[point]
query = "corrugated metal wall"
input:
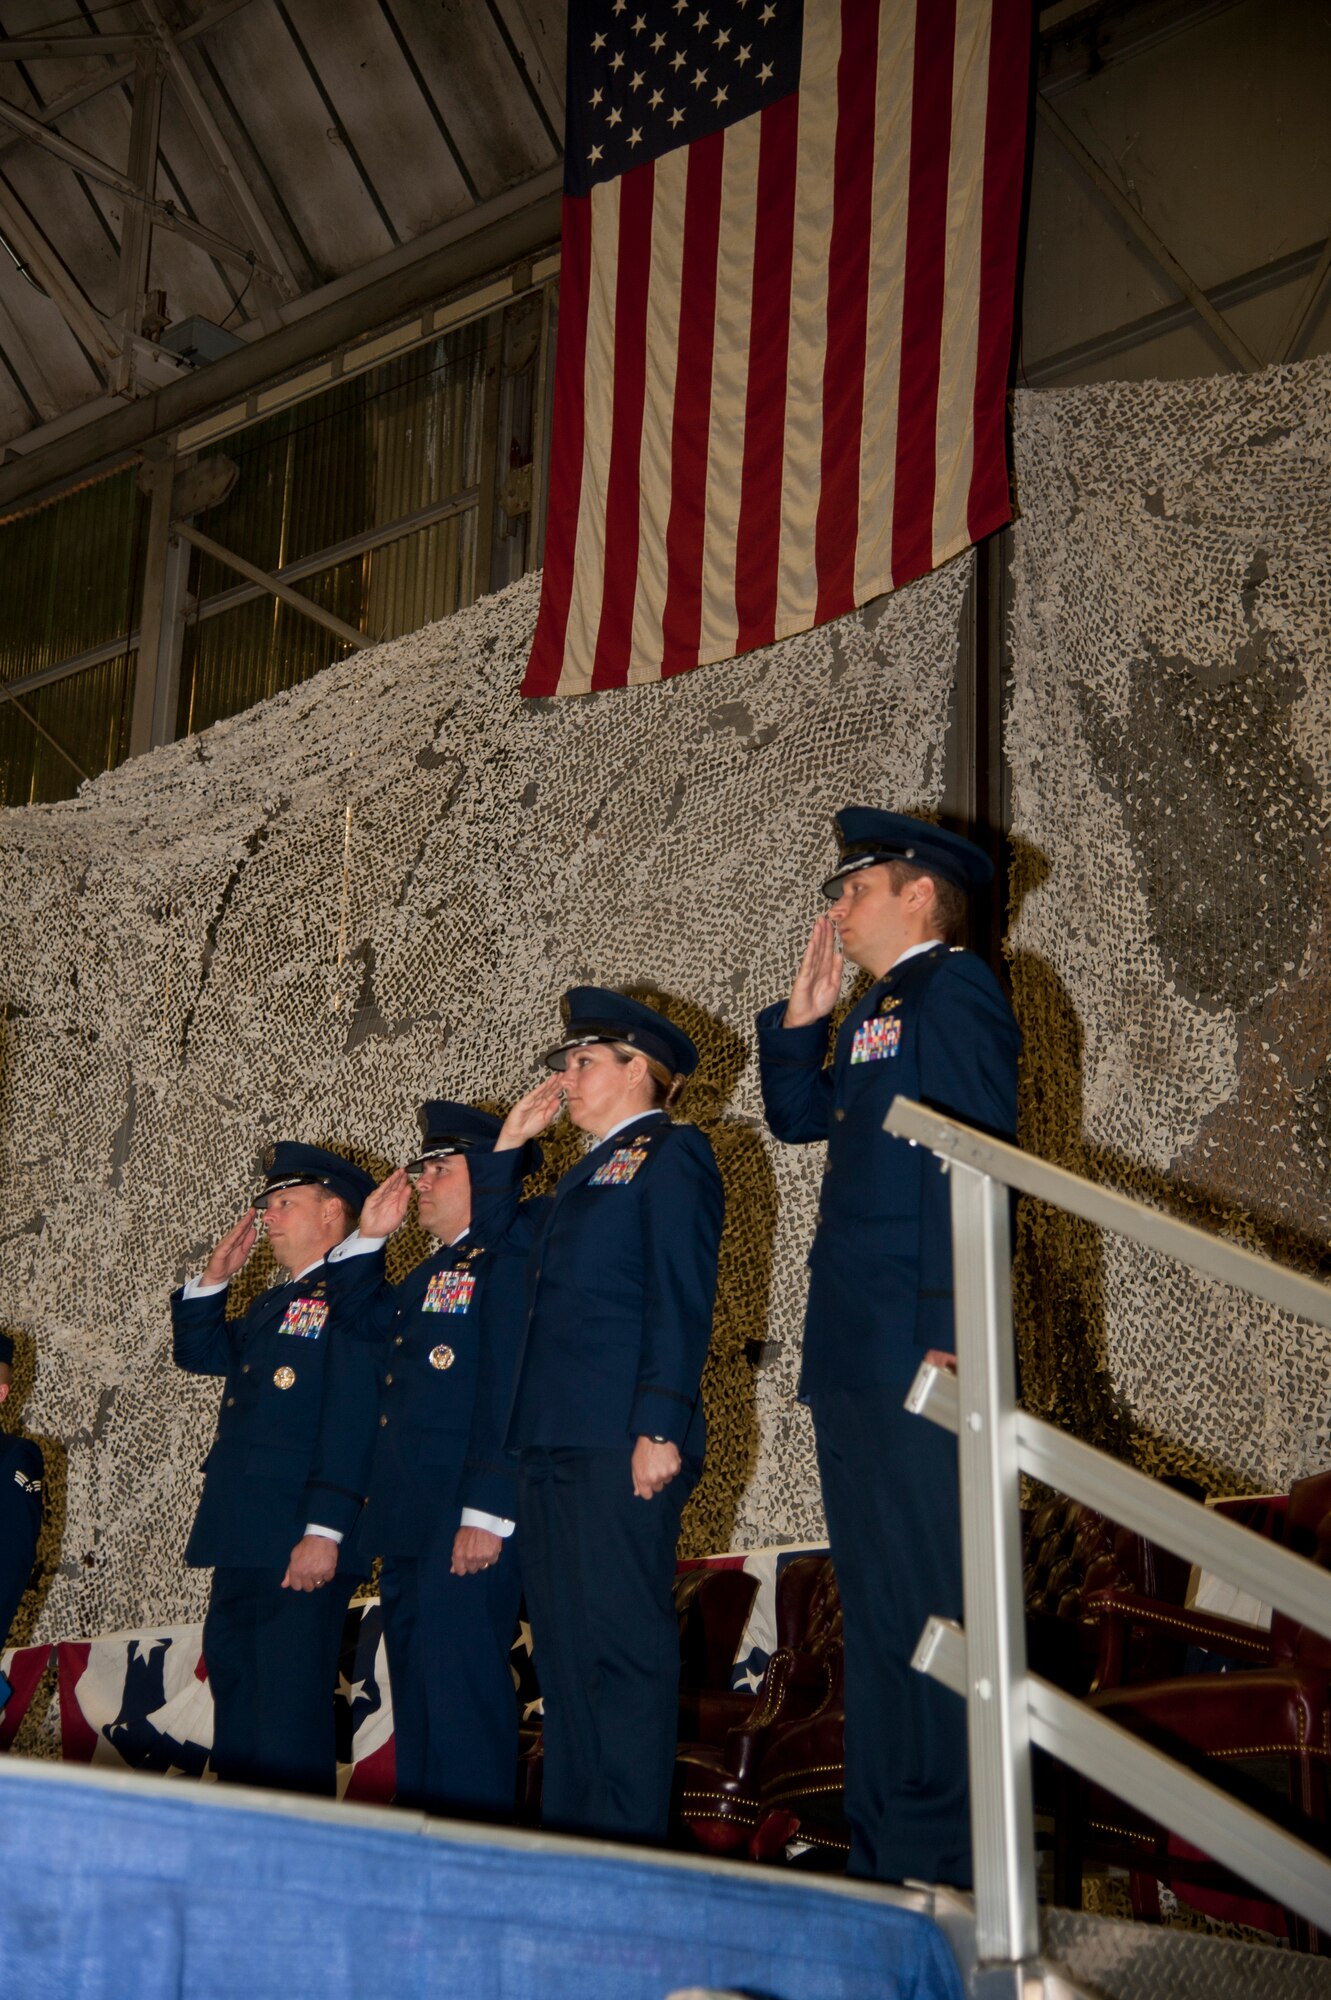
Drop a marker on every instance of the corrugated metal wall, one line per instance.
(69, 577)
(443, 423)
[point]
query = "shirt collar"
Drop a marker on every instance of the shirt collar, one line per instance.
(913, 951)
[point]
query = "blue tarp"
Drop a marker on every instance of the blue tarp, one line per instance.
(107, 1893)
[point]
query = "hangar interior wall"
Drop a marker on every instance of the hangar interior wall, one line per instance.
(371, 890)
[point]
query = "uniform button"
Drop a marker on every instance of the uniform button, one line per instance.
(388, 1381)
(538, 1271)
(244, 1367)
(397, 1340)
(230, 1402)
(382, 1422)
(839, 1113)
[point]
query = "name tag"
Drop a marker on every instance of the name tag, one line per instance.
(306, 1318)
(449, 1292)
(876, 1038)
(622, 1165)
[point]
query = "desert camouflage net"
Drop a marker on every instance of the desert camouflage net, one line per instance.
(369, 891)
(1170, 736)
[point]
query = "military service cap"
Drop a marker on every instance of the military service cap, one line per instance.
(292, 1164)
(447, 1128)
(599, 1014)
(865, 836)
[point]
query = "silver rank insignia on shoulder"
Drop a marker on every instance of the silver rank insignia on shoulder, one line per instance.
(285, 1378)
(441, 1357)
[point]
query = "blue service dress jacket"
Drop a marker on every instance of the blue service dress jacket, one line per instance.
(621, 1280)
(292, 1433)
(20, 1521)
(445, 1342)
(937, 1028)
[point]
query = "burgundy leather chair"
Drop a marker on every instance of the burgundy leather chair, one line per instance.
(718, 1802)
(1261, 1729)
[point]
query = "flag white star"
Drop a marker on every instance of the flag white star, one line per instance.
(620, 7)
(700, 77)
(617, 60)
(640, 24)
(596, 97)
(678, 60)
(656, 99)
(680, 6)
(658, 43)
(616, 116)
(635, 135)
(598, 43)
(349, 1690)
(722, 38)
(767, 13)
(742, 55)
(765, 73)
(677, 116)
(721, 96)
(700, 23)
(594, 155)
(635, 81)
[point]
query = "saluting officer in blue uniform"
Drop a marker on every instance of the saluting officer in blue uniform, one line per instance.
(607, 1415)
(280, 1490)
(20, 1510)
(934, 1026)
(443, 1489)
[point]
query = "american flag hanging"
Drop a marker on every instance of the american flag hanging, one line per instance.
(789, 254)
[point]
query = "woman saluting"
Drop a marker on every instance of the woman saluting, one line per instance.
(621, 1277)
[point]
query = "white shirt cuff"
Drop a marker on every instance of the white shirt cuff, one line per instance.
(355, 1245)
(493, 1524)
(196, 1289)
(326, 1534)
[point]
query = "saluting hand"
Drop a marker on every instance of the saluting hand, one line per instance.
(232, 1251)
(531, 1114)
(386, 1209)
(817, 985)
(654, 1466)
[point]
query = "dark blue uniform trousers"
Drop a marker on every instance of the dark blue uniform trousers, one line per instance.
(891, 1498)
(272, 1657)
(455, 1709)
(598, 1566)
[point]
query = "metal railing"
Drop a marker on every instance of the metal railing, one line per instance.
(1007, 1708)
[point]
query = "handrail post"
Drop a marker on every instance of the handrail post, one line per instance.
(1007, 1925)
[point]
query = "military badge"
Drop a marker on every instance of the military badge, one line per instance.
(305, 1318)
(622, 1165)
(285, 1378)
(441, 1357)
(876, 1038)
(449, 1292)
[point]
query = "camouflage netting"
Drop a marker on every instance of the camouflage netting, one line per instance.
(369, 891)
(1170, 736)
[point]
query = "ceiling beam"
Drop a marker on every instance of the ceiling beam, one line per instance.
(1159, 250)
(275, 587)
(63, 48)
(219, 154)
(59, 284)
(510, 229)
(164, 213)
(136, 234)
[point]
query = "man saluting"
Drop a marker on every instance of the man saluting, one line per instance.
(279, 1500)
(934, 1026)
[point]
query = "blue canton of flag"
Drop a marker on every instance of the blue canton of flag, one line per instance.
(646, 76)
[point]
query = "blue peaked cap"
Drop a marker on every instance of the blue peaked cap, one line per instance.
(289, 1163)
(599, 1014)
(865, 835)
(449, 1127)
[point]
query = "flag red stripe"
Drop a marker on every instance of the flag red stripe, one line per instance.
(758, 537)
(78, 1738)
(926, 270)
(566, 430)
(681, 623)
(989, 504)
(836, 536)
(633, 272)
